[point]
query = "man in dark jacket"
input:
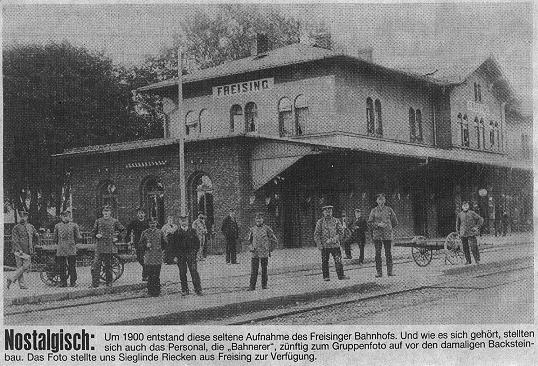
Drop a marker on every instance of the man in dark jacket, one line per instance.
(358, 232)
(134, 230)
(184, 244)
(468, 225)
(230, 229)
(23, 240)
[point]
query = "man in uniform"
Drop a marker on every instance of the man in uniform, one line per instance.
(184, 244)
(230, 229)
(106, 230)
(153, 240)
(66, 234)
(134, 230)
(358, 233)
(327, 235)
(382, 221)
(23, 239)
(468, 227)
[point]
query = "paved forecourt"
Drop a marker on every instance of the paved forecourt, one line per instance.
(225, 287)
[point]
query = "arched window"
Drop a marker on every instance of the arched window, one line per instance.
(251, 115)
(107, 194)
(418, 120)
(378, 120)
(370, 119)
(491, 135)
(301, 114)
(477, 130)
(201, 197)
(236, 115)
(412, 127)
(191, 123)
(497, 132)
(482, 133)
(152, 198)
(204, 121)
(465, 132)
(285, 118)
(477, 93)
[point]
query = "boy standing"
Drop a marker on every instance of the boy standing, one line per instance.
(262, 241)
(66, 234)
(153, 240)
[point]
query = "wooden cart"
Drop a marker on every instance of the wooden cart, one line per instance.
(422, 248)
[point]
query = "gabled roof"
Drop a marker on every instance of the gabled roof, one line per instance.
(458, 71)
(296, 53)
(289, 55)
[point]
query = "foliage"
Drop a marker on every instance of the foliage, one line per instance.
(58, 96)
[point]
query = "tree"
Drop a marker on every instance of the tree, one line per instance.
(209, 40)
(57, 96)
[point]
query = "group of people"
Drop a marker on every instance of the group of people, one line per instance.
(185, 245)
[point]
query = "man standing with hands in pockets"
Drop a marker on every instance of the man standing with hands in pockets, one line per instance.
(468, 227)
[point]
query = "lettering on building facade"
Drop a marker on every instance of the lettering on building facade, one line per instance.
(246, 87)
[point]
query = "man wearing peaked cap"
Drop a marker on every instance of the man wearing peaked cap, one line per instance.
(327, 235)
(105, 230)
(66, 234)
(153, 240)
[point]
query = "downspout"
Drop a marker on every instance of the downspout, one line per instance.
(434, 122)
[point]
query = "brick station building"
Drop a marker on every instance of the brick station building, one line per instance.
(288, 130)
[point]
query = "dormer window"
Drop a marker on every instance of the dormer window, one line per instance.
(477, 93)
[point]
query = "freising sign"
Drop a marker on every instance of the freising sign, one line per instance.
(246, 87)
(478, 108)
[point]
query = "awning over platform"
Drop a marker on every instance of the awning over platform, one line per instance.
(271, 158)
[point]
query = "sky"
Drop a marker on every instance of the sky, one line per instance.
(402, 35)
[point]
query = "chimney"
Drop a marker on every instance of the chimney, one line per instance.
(260, 44)
(366, 54)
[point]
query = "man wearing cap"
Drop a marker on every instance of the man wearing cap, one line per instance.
(262, 241)
(66, 234)
(382, 221)
(358, 233)
(327, 235)
(153, 240)
(230, 229)
(134, 230)
(468, 225)
(23, 239)
(201, 230)
(106, 230)
(184, 244)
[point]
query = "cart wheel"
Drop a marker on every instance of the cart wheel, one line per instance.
(50, 276)
(117, 269)
(453, 249)
(422, 256)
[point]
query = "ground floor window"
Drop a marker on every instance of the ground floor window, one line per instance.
(153, 198)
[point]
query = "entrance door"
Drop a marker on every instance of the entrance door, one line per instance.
(419, 213)
(291, 220)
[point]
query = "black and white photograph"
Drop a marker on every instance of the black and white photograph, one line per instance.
(295, 164)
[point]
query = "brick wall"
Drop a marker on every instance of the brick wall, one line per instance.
(225, 162)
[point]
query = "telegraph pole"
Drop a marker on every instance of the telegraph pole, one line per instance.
(182, 189)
